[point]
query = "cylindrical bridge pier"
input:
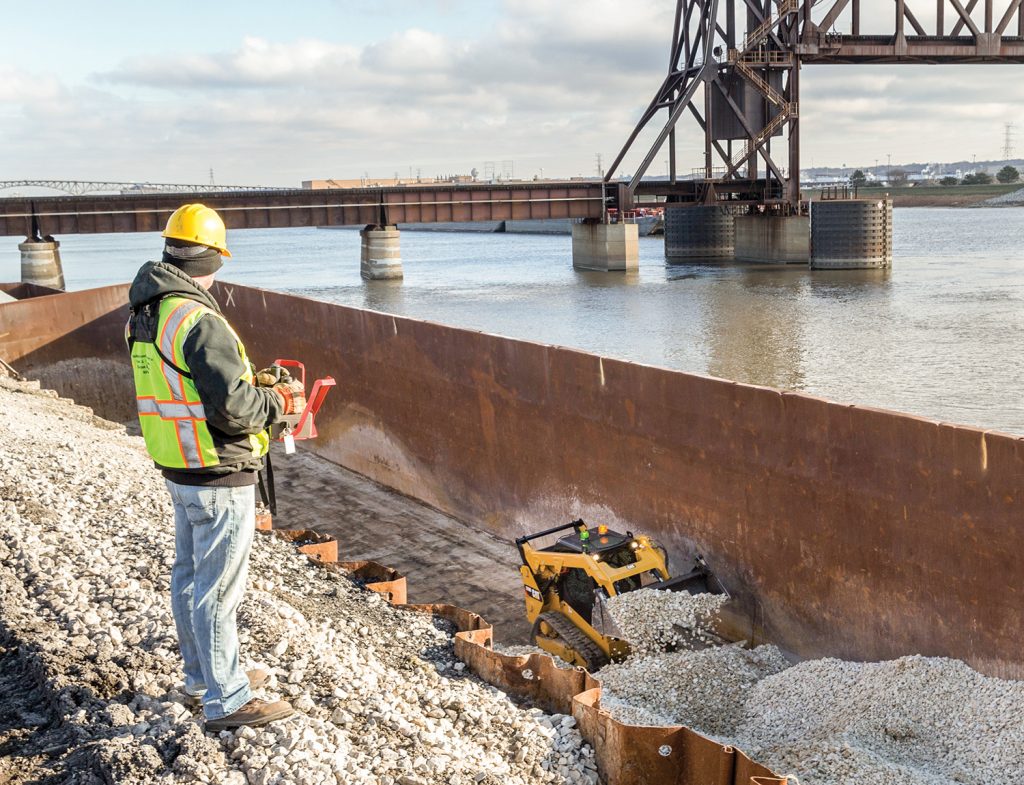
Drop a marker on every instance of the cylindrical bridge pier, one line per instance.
(695, 233)
(851, 234)
(381, 255)
(40, 262)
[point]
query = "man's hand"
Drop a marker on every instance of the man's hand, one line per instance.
(275, 374)
(293, 394)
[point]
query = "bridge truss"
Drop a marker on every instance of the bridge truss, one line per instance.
(734, 66)
(79, 187)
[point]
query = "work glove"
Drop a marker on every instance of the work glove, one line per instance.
(268, 377)
(293, 394)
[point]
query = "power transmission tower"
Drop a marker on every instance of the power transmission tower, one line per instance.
(1008, 142)
(600, 166)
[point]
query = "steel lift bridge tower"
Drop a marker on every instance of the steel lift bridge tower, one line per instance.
(743, 88)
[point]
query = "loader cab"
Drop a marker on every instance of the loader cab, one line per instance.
(577, 586)
(595, 542)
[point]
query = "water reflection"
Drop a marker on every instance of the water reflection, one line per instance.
(386, 295)
(612, 280)
(756, 329)
(843, 284)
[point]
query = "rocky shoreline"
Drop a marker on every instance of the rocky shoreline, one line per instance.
(89, 655)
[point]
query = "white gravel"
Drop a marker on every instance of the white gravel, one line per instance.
(1011, 199)
(89, 665)
(705, 690)
(911, 721)
(653, 621)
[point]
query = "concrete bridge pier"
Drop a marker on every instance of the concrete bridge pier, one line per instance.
(605, 247)
(773, 239)
(381, 257)
(40, 262)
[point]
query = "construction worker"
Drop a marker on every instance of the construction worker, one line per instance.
(205, 424)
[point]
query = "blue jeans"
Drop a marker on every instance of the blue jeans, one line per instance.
(213, 531)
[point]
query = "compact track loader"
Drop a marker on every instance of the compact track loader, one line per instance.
(566, 584)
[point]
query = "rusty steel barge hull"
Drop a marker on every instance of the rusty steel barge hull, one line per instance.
(840, 530)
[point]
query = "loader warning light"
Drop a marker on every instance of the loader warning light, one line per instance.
(602, 529)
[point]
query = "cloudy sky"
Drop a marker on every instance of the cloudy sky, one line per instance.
(272, 93)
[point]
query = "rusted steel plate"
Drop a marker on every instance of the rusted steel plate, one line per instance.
(56, 327)
(630, 754)
(535, 677)
(378, 578)
(318, 547)
(25, 291)
(819, 517)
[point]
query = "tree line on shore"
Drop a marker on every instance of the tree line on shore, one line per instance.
(1007, 175)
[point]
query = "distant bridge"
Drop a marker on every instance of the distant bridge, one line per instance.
(79, 187)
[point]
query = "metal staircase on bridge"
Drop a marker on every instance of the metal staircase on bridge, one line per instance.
(759, 82)
(759, 33)
(787, 111)
(754, 55)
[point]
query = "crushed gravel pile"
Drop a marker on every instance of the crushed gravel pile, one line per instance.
(1011, 199)
(704, 690)
(911, 721)
(89, 673)
(654, 621)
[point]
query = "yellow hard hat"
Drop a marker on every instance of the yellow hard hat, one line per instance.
(198, 223)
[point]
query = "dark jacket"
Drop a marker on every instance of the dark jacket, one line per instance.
(234, 407)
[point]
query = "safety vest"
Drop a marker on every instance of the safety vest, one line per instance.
(171, 412)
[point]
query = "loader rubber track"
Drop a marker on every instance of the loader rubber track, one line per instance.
(573, 637)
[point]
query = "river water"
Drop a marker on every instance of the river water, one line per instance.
(941, 335)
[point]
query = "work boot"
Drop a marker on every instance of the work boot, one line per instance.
(253, 714)
(257, 678)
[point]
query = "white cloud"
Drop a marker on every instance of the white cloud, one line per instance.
(550, 84)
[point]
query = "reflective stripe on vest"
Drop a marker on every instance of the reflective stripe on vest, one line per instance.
(172, 411)
(167, 346)
(187, 427)
(185, 416)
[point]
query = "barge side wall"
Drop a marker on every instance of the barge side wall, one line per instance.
(841, 530)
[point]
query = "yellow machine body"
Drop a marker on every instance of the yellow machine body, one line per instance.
(604, 562)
